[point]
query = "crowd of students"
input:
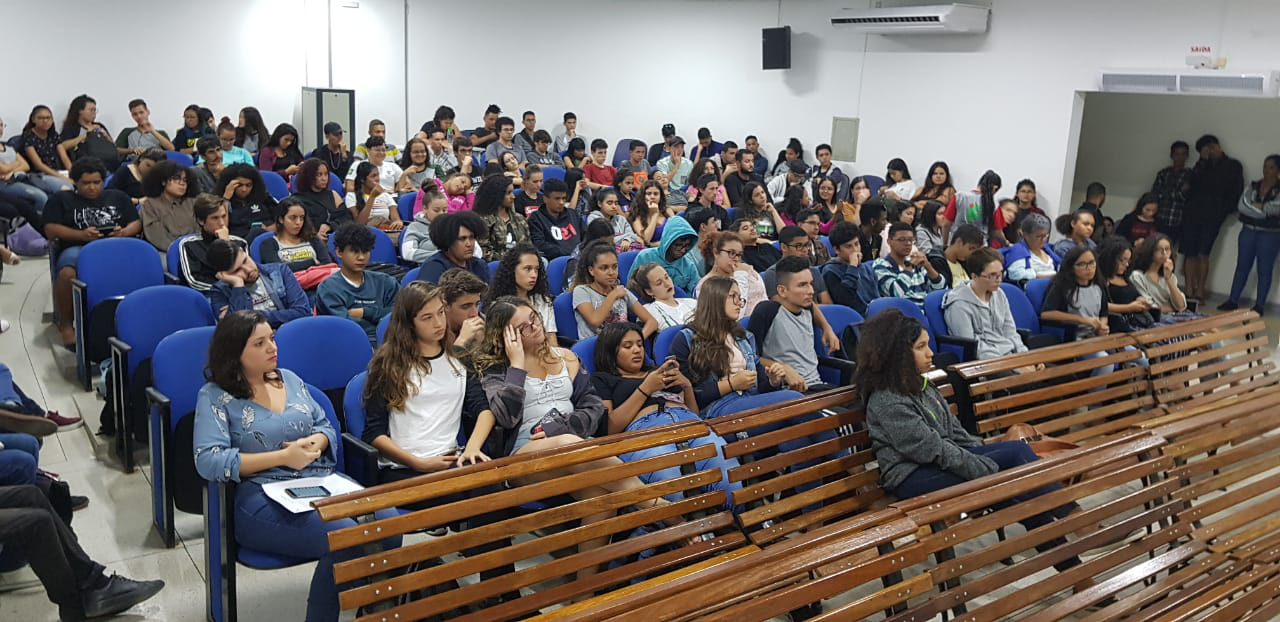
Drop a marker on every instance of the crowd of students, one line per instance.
(470, 367)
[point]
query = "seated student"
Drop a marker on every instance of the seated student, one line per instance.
(73, 219)
(795, 243)
(756, 208)
(599, 297)
(128, 178)
(324, 207)
(193, 129)
(757, 253)
(462, 294)
(1127, 309)
(419, 397)
(777, 187)
(674, 165)
(281, 433)
(920, 446)
(19, 459)
(929, 231)
(575, 155)
(372, 204)
(784, 329)
(243, 285)
(505, 142)
(1141, 222)
(811, 223)
(440, 156)
(530, 197)
(455, 235)
(980, 311)
(597, 173)
(251, 130)
(554, 229)
(659, 150)
(362, 295)
(1031, 257)
(541, 153)
(378, 130)
(707, 166)
(133, 141)
(673, 254)
(44, 153)
(625, 183)
(608, 209)
(949, 262)
(706, 147)
(416, 243)
(708, 185)
(726, 160)
(872, 218)
(1078, 227)
(334, 152)
(231, 154)
(506, 225)
(210, 166)
(707, 224)
(639, 396)
(1154, 277)
(297, 245)
(197, 271)
(562, 139)
(389, 173)
(906, 272)
(416, 164)
(650, 282)
(840, 274)
(637, 165)
(281, 154)
(649, 213)
(724, 258)
(738, 174)
(166, 210)
(1076, 294)
(252, 207)
(522, 275)
(507, 164)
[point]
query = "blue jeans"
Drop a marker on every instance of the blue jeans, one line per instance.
(1262, 247)
(679, 415)
(48, 183)
(13, 399)
(18, 459)
(28, 199)
(69, 257)
(263, 525)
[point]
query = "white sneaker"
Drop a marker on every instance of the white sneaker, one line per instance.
(4, 325)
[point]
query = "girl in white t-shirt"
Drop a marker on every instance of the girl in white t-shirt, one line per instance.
(650, 281)
(371, 204)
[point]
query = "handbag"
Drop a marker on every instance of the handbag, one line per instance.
(28, 242)
(1042, 444)
(313, 275)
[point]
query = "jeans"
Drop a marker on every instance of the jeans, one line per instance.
(30, 529)
(28, 199)
(13, 399)
(48, 183)
(263, 525)
(18, 459)
(678, 415)
(1006, 454)
(68, 258)
(1262, 247)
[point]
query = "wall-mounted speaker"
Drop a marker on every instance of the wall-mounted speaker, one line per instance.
(777, 47)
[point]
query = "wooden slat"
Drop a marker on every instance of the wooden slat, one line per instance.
(1059, 352)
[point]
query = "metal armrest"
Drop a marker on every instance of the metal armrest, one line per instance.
(171, 279)
(79, 319)
(846, 368)
(968, 347)
(361, 459)
(119, 397)
(161, 491)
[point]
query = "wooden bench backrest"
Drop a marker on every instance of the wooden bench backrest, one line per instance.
(1221, 355)
(1064, 400)
(698, 515)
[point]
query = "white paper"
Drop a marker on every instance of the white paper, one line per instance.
(335, 483)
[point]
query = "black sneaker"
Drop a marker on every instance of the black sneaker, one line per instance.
(1229, 305)
(1260, 310)
(79, 502)
(119, 594)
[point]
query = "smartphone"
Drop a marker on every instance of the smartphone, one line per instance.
(106, 230)
(307, 492)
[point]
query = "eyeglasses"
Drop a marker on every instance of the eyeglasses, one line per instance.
(798, 246)
(741, 300)
(910, 240)
(732, 254)
(995, 276)
(1086, 264)
(525, 328)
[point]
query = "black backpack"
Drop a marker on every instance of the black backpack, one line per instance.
(98, 146)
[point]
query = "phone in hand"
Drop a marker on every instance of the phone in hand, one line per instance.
(308, 492)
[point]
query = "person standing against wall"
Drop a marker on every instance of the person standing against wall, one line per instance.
(1171, 186)
(1216, 184)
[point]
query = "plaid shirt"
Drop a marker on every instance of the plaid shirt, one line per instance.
(1172, 186)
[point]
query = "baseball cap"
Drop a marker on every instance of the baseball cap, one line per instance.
(675, 140)
(668, 130)
(332, 128)
(798, 167)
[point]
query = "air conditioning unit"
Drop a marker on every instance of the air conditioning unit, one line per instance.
(913, 20)
(1191, 82)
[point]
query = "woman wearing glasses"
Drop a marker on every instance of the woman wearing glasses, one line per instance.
(1076, 295)
(724, 255)
(980, 311)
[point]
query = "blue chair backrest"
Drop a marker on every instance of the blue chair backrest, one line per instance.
(177, 369)
(621, 151)
(867, 289)
(733, 214)
(326, 404)
(180, 158)
(493, 270)
(1024, 314)
(173, 257)
(405, 207)
(276, 185)
(933, 311)
(662, 343)
(907, 308)
(411, 275)
(255, 247)
(553, 172)
(139, 324)
(586, 351)
(1036, 290)
(839, 317)
(384, 250)
(873, 183)
(353, 404)
(624, 264)
(555, 274)
(566, 320)
(324, 350)
(117, 266)
(831, 250)
(679, 292)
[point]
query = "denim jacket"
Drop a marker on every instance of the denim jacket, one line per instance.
(285, 292)
(707, 392)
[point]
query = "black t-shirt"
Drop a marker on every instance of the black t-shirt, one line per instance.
(526, 204)
(480, 132)
(761, 256)
(617, 389)
(245, 214)
(733, 187)
(112, 209)
(333, 160)
(124, 181)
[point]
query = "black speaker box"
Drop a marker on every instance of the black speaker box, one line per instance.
(777, 47)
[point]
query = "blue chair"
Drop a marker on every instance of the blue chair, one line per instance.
(624, 264)
(255, 247)
(384, 250)
(732, 212)
(325, 350)
(1026, 318)
(382, 327)
(1035, 291)
(938, 328)
(585, 349)
(173, 261)
(277, 187)
(831, 250)
(555, 274)
(836, 368)
(106, 271)
(873, 183)
(553, 172)
(566, 320)
(662, 342)
(493, 270)
(139, 329)
(361, 458)
(180, 158)
(177, 375)
(776, 244)
(910, 309)
(679, 292)
(405, 207)
(622, 151)
(222, 552)
(411, 275)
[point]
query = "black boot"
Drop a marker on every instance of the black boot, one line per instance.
(119, 594)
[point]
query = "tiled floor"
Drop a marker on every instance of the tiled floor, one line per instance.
(116, 527)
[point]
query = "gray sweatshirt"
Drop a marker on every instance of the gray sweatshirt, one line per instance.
(990, 323)
(908, 431)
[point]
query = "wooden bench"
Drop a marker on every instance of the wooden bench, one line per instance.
(695, 530)
(1216, 356)
(1064, 400)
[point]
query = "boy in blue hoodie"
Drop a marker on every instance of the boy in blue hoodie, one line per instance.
(678, 238)
(353, 292)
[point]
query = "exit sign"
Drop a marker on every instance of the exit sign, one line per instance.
(1201, 49)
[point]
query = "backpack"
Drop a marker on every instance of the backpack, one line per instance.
(28, 242)
(867, 289)
(97, 145)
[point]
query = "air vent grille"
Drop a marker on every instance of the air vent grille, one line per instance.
(919, 19)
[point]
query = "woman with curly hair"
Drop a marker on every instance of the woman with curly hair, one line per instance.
(649, 213)
(252, 207)
(521, 274)
(495, 204)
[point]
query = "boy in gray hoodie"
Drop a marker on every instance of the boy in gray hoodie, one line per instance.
(979, 309)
